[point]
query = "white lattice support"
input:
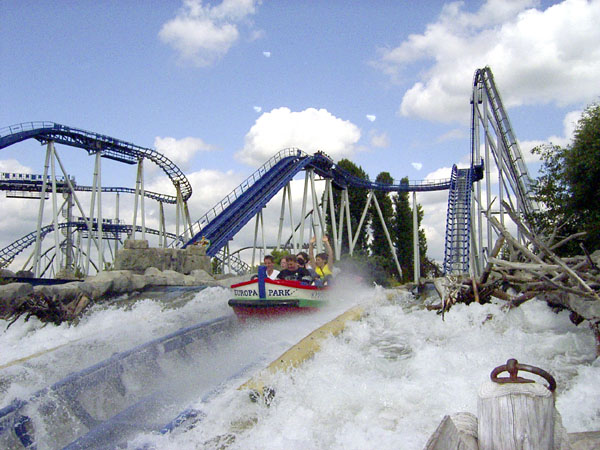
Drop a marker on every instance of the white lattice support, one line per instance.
(294, 242)
(38, 230)
(282, 216)
(336, 244)
(348, 221)
(57, 260)
(303, 216)
(117, 198)
(387, 233)
(318, 226)
(362, 218)
(416, 252)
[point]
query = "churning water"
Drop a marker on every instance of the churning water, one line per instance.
(386, 382)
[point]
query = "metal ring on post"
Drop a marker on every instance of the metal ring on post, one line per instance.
(512, 366)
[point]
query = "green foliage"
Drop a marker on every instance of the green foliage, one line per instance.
(379, 245)
(403, 234)
(278, 254)
(568, 184)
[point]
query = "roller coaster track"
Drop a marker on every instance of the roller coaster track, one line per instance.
(8, 253)
(108, 147)
(458, 222)
(510, 153)
(62, 187)
(228, 216)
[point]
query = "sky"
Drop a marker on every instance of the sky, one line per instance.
(219, 87)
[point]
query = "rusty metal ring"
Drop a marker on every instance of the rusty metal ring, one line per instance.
(512, 366)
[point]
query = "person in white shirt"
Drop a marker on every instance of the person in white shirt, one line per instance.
(271, 272)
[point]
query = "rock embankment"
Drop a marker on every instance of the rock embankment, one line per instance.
(72, 297)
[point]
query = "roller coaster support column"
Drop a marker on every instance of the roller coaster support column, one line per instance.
(162, 240)
(416, 252)
(117, 222)
(319, 225)
(57, 252)
(259, 219)
(96, 188)
(38, 240)
(344, 211)
(336, 246)
(303, 216)
(282, 216)
(69, 259)
(88, 220)
(139, 196)
(387, 233)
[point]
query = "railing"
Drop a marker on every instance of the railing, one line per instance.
(197, 226)
(26, 126)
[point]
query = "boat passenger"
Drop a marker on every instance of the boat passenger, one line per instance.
(293, 271)
(323, 262)
(303, 260)
(270, 264)
(283, 263)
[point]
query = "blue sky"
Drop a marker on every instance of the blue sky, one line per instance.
(220, 87)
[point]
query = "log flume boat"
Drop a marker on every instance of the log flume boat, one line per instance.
(265, 297)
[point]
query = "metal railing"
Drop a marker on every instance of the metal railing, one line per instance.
(197, 226)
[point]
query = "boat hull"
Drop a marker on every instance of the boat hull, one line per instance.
(275, 297)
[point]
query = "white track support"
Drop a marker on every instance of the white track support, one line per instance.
(258, 220)
(117, 222)
(416, 253)
(282, 216)
(289, 192)
(340, 234)
(142, 197)
(162, 240)
(488, 184)
(187, 220)
(336, 245)
(38, 230)
(136, 199)
(318, 225)
(91, 217)
(387, 233)
(348, 221)
(99, 214)
(178, 210)
(362, 219)
(88, 220)
(303, 216)
(57, 260)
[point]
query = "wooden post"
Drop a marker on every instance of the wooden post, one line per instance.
(515, 416)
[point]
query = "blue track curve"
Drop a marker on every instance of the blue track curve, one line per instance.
(223, 221)
(109, 147)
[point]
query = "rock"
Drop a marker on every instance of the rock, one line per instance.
(12, 295)
(65, 293)
(5, 273)
(174, 278)
(135, 244)
(95, 289)
(201, 276)
(24, 274)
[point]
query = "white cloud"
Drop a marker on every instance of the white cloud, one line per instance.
(180, 151)
(380, 140)
(536, 56)
(371, 117)
(257, 109)
(13, 166)
(417, 165)
(267, 54)
(203, 34)
(310, 130)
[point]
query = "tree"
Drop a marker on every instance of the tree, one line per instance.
(379, 245)
(358, 200)
(568, 184)
(402, 234)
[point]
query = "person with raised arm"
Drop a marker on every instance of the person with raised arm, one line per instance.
(323, 262)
